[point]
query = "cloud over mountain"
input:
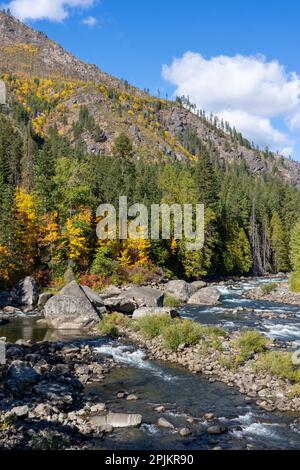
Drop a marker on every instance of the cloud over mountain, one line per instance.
(53, 10)
(247, 91)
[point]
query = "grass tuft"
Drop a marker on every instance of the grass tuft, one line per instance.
(279, 364)
(268, 288)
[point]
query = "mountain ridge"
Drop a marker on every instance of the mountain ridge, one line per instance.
(157, 127)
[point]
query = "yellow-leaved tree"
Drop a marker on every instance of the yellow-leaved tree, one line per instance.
(77, 238)
(26, 232)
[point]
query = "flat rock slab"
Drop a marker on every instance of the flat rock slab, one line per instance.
(154, 312)
(116, 420)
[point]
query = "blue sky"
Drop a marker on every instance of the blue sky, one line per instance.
(238, 59)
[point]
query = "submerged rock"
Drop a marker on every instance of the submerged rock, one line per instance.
(217, 429)
(163, 423)
(185, 432)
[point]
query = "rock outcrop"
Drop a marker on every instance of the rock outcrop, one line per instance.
(71, 309)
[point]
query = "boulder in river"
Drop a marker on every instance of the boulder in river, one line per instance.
(26, 292)
(163, 423)
(145, 296)
(205, 296)
(180, 290)
(154, 312)
(116, 420)
(71, 309)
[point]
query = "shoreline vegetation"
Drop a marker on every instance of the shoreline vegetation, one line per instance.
(245, 360)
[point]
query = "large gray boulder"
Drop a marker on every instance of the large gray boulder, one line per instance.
(180, 290)
(206, 296)
(110, 291)
(71, 309)
(145, 296)
(95, 299)
(116, 420)
(154, 312)
(120, 304)
(26, 292)
(198, 285)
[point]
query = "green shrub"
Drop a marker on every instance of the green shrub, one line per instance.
(229, 361)
(250, 343)
(279, 364)
(171, 302)
(138, 278)
(176, 332)
(49, 440)
(268, 288)
(181, 332)
(294, 391)
(295, 282)
(109, 325)
(172, 337)
(152, 326)
(103, 265)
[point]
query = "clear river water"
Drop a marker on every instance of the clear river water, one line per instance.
(182, 393)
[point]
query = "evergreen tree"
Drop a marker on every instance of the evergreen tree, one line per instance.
(278, 244)
(237, 256)
(123, 147)
(295, 247)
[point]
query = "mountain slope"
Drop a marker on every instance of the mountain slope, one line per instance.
(53, 85)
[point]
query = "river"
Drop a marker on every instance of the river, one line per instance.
(184, 394)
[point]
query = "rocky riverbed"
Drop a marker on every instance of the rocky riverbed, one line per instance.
(43, 402)
(269, 392)
(85, 393)
(280, 293)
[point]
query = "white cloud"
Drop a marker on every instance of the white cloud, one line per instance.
(287, 151)
(90, 21)
(294, 122)
(257, 129)
(53, 10)
(248, 91)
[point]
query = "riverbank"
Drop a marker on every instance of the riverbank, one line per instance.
(44, 405)
(221, 362)
(277, 292)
